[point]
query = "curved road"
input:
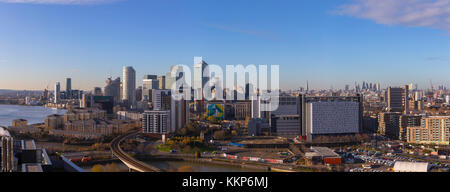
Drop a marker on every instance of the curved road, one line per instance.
(129, 161)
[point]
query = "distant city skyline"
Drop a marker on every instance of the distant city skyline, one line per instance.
(327, 43)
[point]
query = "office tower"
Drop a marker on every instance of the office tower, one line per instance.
(84, 101)
(347, 87)
(149, 83)
(285, 121)
(378, 87)
(161, 99)
(57, 92)
(138, 93)
(388, 124)
(315, 116)
(177, 111)
(395, 99)
(170, 79)
(432, 130)
(406, 99)
(68, 88)
(162, 82)
(418, 96)
(325, 116)
(257, 127)
(150, 77)
(112, 89)
(307, 86)
(179, 114)
(129, 85)
(156, 122)
(200, 77)
(97, 91)
(256, 107)
(249, 89)
(45, 94)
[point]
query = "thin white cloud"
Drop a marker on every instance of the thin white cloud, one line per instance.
(60, 2)
(235, 29)
(415, 13)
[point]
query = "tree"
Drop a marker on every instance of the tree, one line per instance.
(182, 131)
(113, 167)
(150, 149)
(219, 135)
(247, 120)
(140, 148)
(234, 133)
(98, 168)
(212, 119)
(185, 169)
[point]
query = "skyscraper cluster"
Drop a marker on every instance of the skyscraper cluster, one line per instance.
(367, 87)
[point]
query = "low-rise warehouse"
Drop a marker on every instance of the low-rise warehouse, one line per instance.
(403, 166)
(325, 154)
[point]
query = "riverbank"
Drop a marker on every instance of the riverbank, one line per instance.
(254, 167)
(33, 114)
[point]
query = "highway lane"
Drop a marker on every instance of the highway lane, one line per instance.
(129, 161)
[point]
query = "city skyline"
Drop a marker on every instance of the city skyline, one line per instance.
(345, 42)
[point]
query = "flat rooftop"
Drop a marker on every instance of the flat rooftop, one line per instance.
(264, 153)
(262, 140)
(29, 145)
(35, 167)
(324, 151)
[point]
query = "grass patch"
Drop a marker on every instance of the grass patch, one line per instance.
(163, 148)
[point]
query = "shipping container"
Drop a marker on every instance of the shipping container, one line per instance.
(273, 161)
(232, 157)
(333, 160)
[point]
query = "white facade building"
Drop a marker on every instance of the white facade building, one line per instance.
(157, 122)
(129, 85)
(403, 166)
(332, 117)
(200, 77)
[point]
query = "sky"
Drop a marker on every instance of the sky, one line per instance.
(329, 43)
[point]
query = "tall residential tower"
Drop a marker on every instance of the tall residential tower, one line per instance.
(57, 92)
(129, 85)
(68, 88)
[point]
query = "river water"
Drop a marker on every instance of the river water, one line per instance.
(173, 166)
(34, 114)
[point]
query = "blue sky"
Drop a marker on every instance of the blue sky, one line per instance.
(328, 42)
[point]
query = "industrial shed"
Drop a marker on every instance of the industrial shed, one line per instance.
(401, 166)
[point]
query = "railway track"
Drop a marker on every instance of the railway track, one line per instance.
(129, 161)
